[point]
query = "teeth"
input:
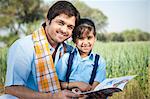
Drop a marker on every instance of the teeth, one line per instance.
(84, 46)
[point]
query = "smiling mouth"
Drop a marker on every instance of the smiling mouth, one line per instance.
(62, 34)
(85, 46)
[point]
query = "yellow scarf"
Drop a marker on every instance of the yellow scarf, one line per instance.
(45, 70)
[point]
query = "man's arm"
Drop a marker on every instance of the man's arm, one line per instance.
(25, 93)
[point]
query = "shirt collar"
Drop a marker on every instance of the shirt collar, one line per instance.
(90, 56)
(60, 48)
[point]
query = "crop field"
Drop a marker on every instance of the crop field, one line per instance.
(128, 58)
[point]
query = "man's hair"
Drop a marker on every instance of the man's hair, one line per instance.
(84, 27)
(63, 7)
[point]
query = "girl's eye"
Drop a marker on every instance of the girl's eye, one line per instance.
(89, 37)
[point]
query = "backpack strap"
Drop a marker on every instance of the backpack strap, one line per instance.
(69, 65)
(67, 48)
(94, 69)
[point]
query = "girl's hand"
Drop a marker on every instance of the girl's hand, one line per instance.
(83, 86)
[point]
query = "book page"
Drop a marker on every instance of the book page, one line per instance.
(111, 85)
(119, 83)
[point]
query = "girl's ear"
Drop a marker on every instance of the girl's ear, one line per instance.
(95, 39)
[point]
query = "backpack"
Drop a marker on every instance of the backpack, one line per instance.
(69, 65)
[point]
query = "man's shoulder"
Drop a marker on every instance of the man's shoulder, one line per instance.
(24, 43)
(26, 39)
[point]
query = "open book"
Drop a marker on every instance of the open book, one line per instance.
(110, 85)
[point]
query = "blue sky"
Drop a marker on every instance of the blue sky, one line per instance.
(124, 14)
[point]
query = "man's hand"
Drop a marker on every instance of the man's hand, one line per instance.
(65, 94)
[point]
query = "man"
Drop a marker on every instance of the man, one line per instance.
(31, 60)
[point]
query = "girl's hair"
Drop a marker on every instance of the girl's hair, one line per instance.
(84, 27)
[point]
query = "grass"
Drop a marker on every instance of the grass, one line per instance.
(129, 58)
(3, 54)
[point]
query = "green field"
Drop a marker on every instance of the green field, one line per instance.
(130, 58)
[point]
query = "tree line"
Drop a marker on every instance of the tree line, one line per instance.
(125, 36)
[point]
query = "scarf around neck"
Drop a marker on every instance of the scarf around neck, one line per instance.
(45, 70)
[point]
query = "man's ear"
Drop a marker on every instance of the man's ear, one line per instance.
(47, 22)
(75, 44)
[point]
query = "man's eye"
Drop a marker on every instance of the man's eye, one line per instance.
(61, 23)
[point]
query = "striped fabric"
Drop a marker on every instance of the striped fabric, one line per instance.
(45, 70)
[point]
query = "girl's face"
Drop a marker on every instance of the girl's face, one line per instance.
(85, 43)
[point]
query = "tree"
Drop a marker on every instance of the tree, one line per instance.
(135, 35)
(15, 13)
(96, 15)
(101, 37)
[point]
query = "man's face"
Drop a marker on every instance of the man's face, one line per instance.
(86, 43)
(60, 28)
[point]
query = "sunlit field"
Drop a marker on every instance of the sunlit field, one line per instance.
(130, 58)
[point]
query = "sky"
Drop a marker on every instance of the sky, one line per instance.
(124, 14)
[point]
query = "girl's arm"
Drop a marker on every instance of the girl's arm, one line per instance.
(94, 85)
(81, 85)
